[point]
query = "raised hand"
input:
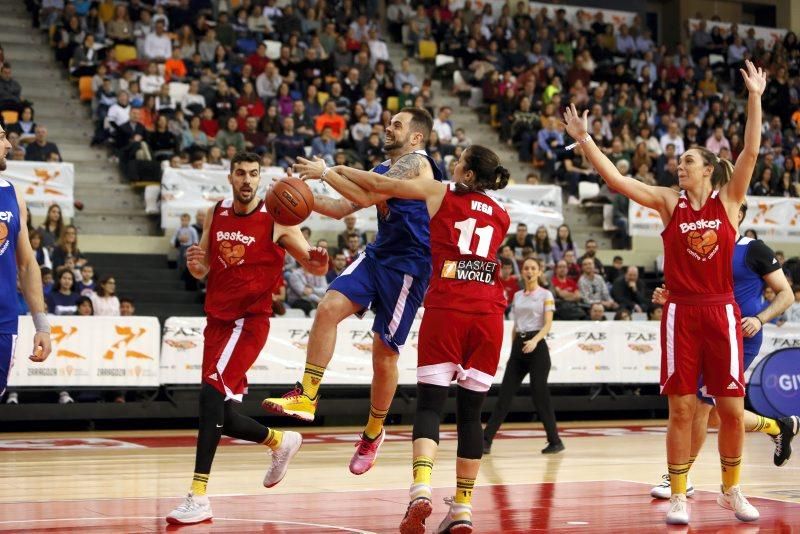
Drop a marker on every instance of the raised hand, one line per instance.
(577, 125)
(755, 79)
(308, 169)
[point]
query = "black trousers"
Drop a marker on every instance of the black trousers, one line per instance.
(537, 363)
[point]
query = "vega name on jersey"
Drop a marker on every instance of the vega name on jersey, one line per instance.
(470, 270)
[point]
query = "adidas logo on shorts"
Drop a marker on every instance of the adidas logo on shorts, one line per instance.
(733, 385)
(213, 376)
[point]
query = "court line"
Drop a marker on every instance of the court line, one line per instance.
(126, 518)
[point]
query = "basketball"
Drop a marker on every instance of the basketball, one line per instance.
(290, 201)
(3, 232)
(702, 243)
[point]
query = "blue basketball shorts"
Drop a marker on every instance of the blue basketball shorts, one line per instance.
(751, 346)
(7, 342)
(394, 296)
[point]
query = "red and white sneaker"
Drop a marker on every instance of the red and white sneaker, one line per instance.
(418, 511)
(193, 509)
(366, 453)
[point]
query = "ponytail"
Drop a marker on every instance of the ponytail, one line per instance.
(723, 168)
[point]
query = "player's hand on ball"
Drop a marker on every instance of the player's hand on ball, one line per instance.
(750, 326)
(530, 345)
(309, 169)
(41, 347)
(660, 295)
(577, 125)
(755, 78)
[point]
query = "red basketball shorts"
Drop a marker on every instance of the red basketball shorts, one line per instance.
(707, 340)
(459, 346)
(230, 349)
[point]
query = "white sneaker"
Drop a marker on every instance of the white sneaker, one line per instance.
(458, 519)
(664, 490)
(194, 509)
(734, 499)
(12, 398)
(678, 513)
(281, 457)
(64, 398)
(573, 201)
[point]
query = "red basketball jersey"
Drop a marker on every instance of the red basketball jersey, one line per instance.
(245, 264)
(465, 235)
(698, 250)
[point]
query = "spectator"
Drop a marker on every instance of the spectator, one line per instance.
(288, 145)
(623, 315)
(41, 252)
(193, 138)
(10, 90)
(443, 126)
(597, 312)
(52, 227)
(338, 265)
(324, 146)
(184, 237)
(41, 149)
(152, 82)
(163, 143)
(404, 75)
(793, 313)
(769, 296)
(520, 241)
(573, 267)
(157, 45)
(127, 308)
(614, 270)
(84, 58)
(231, 135)
(593, 288)
(354, 247)
(86, 284)
(542, 248)
(174, 68)
(67, 246)
(673, 137)
(591, 252)
(254, 139)
(331, 119)
(268, 82)
(85, 308)
(562, 243)
(62, 300)
(628, 291)
(717, 141)
(104, 299)
(305, 290)
(567, 294)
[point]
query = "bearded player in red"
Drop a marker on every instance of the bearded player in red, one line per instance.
(462, 329)
(242, 252)
(701, 326)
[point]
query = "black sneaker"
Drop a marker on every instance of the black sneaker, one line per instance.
(783, 442)
(487, 447)
(553, 448)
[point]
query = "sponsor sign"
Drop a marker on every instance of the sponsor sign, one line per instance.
(44, 184)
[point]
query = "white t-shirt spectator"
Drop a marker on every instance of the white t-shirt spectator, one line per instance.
(108, 306)
(666, 139)
(151, 84)
(118, 115)
(157, 47)
(793, 313)
(189, 99)
(443, 130)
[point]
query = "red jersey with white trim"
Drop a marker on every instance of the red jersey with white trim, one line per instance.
(465, 235)
(698, 249)
(244, 263)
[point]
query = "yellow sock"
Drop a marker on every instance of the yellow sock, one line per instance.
(199, 484)
(677, 477)
(464, 490)
(375, 422)
(312, 377)
(765, 425)
(423, 467)
(691, 463)
(731, 468)
(274, 439)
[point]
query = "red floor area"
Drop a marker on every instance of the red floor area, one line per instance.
(579, 507)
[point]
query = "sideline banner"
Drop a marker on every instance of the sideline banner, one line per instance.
(774, 218)
(44, 184)
(90, 351)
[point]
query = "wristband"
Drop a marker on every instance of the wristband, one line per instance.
(40, 323)
(324, 173)
(759, 320)
(578, 142)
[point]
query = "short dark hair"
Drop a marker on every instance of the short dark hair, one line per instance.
(421, 121)
(129, 300)
(245, 157)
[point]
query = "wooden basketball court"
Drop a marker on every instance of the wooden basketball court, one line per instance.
(124, 482)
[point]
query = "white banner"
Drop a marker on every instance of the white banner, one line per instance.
(44, 184)
(774, 218)
(770, 35)
(90, 351)
(534, 205)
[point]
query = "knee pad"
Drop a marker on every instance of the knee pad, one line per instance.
(430, 403)
(470, 433)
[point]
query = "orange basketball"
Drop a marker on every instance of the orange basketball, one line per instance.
(231, 253)
(3, 232)
(290, 201)
(702, 243)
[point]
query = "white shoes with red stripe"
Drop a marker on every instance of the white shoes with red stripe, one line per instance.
(194, 509)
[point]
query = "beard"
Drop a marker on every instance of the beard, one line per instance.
(396, 144)
(244, 197)
(3, 163)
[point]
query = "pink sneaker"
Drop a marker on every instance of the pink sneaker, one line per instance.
(366, 453)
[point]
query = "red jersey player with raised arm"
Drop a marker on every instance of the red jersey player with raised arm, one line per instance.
(701, 326)
(462, 329)
(242, 252)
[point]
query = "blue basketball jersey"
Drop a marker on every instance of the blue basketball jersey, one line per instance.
(9, 231)
(403, 241)
(752, 260)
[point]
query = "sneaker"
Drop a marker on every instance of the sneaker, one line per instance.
(734, 499)
(194, 509)
(64, 398)
(664, 490)
(366, 453)
(553, 448)
(458, 519)
(783, 442)
(294, 404)
(281, 457)
(418, 511)
(573, 201)
(487, 447)
(678, 513)
(12, 398)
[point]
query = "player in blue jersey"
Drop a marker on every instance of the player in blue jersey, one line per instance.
(390, 276)
(754, 267)
(17, 260)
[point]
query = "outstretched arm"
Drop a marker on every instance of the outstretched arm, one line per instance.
(314, 169)
(755, 79)
(657, 198)
(312, 259)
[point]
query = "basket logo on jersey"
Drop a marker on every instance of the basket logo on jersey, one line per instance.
(232, 254)
(470, 270)
(702, 238)
(5, 218)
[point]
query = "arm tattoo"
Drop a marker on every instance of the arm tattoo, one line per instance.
(406, 168)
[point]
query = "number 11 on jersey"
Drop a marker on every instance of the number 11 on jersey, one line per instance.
(467, 231)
